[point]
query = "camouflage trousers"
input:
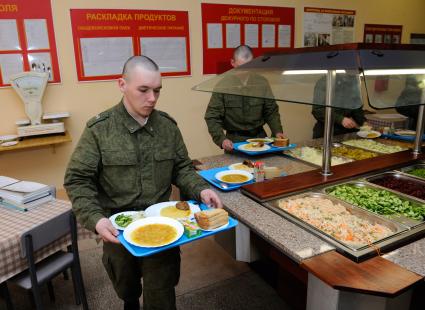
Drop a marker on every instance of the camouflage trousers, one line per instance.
(160, 273)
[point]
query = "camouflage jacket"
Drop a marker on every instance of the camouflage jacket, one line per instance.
(347, 99)
(118, 164)
(242, 113)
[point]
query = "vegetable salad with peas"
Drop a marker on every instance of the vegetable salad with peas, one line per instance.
(379, 201)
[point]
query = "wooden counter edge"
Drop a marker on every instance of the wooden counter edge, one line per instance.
(376, 276)
(302, 181)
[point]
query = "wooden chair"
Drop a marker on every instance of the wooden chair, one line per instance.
(44, 271)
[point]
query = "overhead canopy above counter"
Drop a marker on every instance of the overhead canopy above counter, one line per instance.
(387, 75)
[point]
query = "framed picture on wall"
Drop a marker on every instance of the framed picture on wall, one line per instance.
(387, 38)
(374, 33)
(417, 38)
(369, 38)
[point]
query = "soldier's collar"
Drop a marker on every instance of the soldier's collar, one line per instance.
(128, 121)
(149, 127)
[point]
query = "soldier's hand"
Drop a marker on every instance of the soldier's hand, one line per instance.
(348, 122)
(227, 145)
(280, 135)
(107, 231)
(211, 199)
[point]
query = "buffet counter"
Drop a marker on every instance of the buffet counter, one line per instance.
(309, 251)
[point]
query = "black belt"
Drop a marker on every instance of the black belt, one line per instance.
(247, 133)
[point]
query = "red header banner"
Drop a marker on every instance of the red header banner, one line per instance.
(105, 38)
(226, 26)
(27, 39)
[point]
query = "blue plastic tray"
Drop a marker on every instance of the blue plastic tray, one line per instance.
(209, 176)
(402, 138)
(140, 251)
(272, 149)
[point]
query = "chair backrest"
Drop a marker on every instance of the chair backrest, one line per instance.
(47, 232)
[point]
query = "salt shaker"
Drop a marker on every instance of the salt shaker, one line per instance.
(259, 172)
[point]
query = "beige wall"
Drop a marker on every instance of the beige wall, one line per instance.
(84, 100)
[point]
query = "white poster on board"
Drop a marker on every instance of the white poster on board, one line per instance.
(268, 35)
(328, 26)
(169, 53)
(105, 56)
(36, 34)
(9, 39)
(10, 64)
(233, 35)
(41, 62)
(284, 36)
(251, 35)
(214, 35)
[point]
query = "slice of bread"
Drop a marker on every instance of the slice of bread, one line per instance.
(211, 219)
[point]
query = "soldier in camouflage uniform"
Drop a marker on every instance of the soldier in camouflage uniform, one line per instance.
(347, 93)
(126, 159)
(242, 117)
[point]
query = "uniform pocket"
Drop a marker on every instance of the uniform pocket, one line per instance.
(119, 158)
(233, 111)
(232, 101)
(120, 175)
(164, 164)
(255, 109)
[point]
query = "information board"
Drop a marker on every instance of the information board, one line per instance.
(387, 34)
(27, 39)
(323, 26)
(226, 26)
(105, 38)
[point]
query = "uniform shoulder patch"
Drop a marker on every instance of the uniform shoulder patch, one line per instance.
(166, 115)
(98, 118)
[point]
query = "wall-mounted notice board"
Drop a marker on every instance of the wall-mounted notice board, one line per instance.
(27, 39)
(324, 26)
(226, 26)
(388, 34)
(105, 39)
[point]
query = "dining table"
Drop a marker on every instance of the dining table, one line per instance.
(14, 223)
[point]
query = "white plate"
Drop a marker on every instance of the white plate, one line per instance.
(369, 134)
(265, 140)
(153, 220)
(219, 175)
(241, 166)
(405, 132)
(9, 143)
(218, 228)
(245, 147)
(155, 210)
(6, 138)
(130, 213)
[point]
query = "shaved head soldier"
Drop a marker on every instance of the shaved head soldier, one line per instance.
(232, 118)
(126, 160)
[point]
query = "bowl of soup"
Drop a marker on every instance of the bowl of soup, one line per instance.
(233, 176)
(153, 232)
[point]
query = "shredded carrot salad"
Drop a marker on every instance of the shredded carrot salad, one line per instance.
(335, 220)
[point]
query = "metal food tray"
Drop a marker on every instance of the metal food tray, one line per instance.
(365, 149)
(290, 153)
(339, 144)
(411, 223)
(355, 252)
(419, 165)
(400, 176)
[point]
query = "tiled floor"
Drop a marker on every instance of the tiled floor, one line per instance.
(210, 279)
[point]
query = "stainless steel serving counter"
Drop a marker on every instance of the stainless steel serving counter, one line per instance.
(290, 239)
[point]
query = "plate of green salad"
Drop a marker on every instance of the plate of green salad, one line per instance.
(122, 219)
